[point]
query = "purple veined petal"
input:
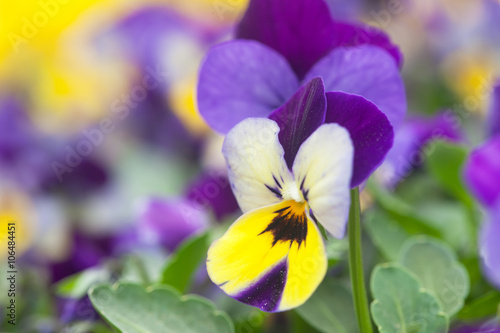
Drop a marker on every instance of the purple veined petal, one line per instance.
(490, 247)
(482, 172)
(169, 222)
(301, 30)
(300, 117)
(367, 71)
(354, 35)
(242, 79)
(493, 123)
(371, 133)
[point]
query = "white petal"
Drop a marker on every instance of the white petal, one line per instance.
(256, 166)
(323, 169)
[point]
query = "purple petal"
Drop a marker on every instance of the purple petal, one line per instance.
(482, 172)
(494, 111)
(302, 31)
(371, 133)
(410, 139)
(212, 189)
(169, 222)
(87, 251)
(242, 79)
(367, 71)
(355, 35)
(300, 117)
(266, 293)
(75, 309)
(490, 247)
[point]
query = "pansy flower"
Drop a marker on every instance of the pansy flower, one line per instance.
(289, 174)
(281, 46)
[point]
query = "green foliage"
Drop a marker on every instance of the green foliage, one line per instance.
(77, 285)
(132, 308)
(438, 271)
(386, 233)
(401, 306)
(330, 308)
(445, 165)
(486, 305)
(181, 266)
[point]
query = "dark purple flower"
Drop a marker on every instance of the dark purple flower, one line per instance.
(410, 141)
(285, 44)
(169, 222)
(303, 31)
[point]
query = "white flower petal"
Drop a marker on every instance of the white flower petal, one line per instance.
(256, 167)
(323, 169)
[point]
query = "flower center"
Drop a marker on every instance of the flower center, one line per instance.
(291, 191)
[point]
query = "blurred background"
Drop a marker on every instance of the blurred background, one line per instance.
(104, 157)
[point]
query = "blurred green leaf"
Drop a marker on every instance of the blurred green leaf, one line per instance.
(182, 265)
(330, 309)
(445, 164)
(385, 233)
(132, 308)
(486, 305)
(401, 306)
(452, 219)
(438, 270)
(77, 285)
(405, 214)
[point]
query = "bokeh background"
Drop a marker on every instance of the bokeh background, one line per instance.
(104, 157)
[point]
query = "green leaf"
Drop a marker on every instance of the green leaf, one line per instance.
(445, 164)
(401, 306)
(77, 285)
(181, 266)
(486, 305)
(452, 219)
(405, 214)
(132, 308)
(330, 309)
(385, 233)
(438, 270)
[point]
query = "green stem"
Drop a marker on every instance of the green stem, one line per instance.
(356, 266)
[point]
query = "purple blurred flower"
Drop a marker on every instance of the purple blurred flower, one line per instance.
(23, 159)
(282, 46)
(494, 111)
(169, 222)
(482, 176)
(212, 189)
(159, 40)
(487, 328)
(86, 251)
(482, 172)
(410, 141)
(75, 309)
